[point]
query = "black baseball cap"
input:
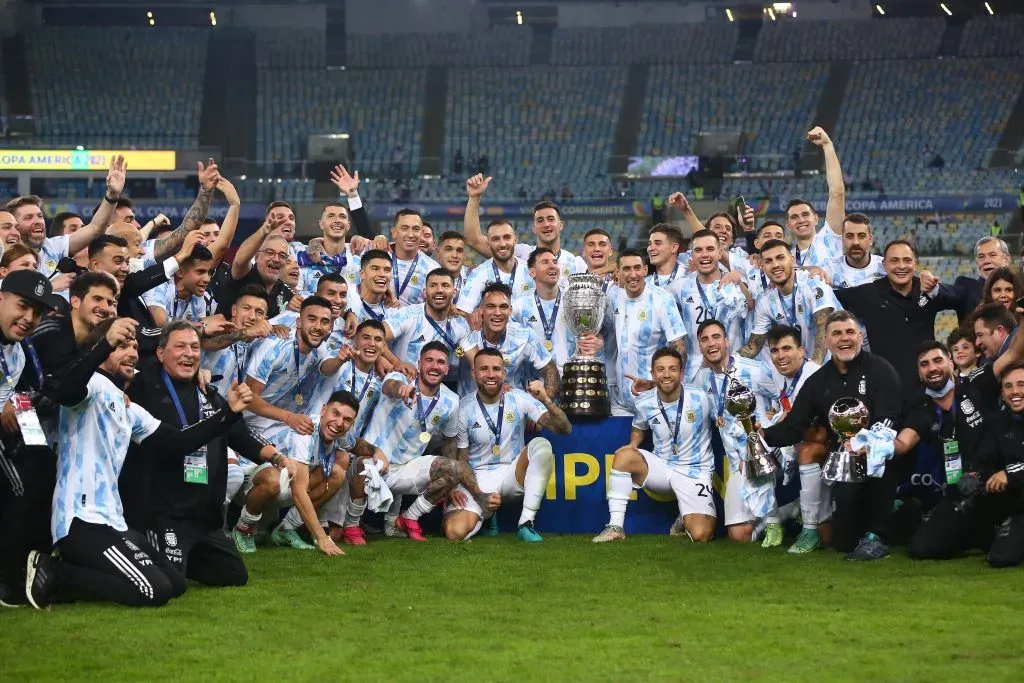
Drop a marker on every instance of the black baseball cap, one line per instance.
(31, 285)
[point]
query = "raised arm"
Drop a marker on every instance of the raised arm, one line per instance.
(552, 383)
(242, 264)
(227, 228)
(475, 188)
(555, 418)
(208, 177)
(348, 186)
(835, 211)
(819, 335)
(677, 200)
(753, 346)
(104, 215)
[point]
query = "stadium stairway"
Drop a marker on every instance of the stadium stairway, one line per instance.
(1010, 141)
(630, 112)
(827, 113)
(951, 37)
(540, 46)
(434, 104)
(17, 86)
(747, 41)
(228, 118)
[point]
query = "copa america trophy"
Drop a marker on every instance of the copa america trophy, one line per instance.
(584, 381)
(847, 416)
(741, 403)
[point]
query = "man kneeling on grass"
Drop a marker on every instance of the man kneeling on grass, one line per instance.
(326, 454)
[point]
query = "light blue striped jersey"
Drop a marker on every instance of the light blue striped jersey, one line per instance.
(412, 331)
(309, 276)
(364, 311)
(477, 436)
(272, 363)
(194, 308)
(411, 285)
(96, 435)
(525, 312)
(844, 275)
(642, 326)
(521, 349)
(14, 356)
(52, 251)
(229, 363)
(690, 452)
(395, 426)
(568, 263)
(334, 341)
(809, 296)
(351, 378)
(310, 449)
(726, 304)
(826, 246)
(472, 292)
(752, 374)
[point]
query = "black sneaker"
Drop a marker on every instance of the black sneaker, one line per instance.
(867, 550)
(12, 598)
(39, 579)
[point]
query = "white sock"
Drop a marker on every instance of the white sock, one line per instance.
(293, 520)
(620, 487)
(396, 507)
(419, 507)
(356, 508)
(810, 494)
(247, 521)
(538, 474)
(235, 478)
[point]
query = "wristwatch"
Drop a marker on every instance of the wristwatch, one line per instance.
(108, 198)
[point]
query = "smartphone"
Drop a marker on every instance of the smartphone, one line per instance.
(741, 205)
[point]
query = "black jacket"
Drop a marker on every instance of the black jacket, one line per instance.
(896, 325)
(964, 424)
(1002, 448)
(967, 291)
(156, 486)
(869, 378)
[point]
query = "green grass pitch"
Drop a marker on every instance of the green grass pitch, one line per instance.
(649, 608)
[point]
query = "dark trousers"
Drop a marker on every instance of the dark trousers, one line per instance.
(205, 555)
(29, 474)
(947, 532)
(97, 562)
(862, 508)
(1007, 549)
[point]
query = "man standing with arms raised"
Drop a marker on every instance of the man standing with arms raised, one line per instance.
(811, 246)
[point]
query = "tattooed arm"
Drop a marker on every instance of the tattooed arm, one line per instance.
(549, 375)
(680, 346)
(555, 418)
(208, 177)
(819, 335)
(753, 346)
(636, 437)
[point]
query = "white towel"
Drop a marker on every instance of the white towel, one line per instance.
(759, 495)
(378, 495)
(880, 444)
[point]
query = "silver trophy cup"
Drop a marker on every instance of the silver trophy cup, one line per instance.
(847, 416)
(741, 403)
(584, 381)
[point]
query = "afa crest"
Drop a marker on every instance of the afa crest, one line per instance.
(510, 418)
(691, 416)
(642, 315)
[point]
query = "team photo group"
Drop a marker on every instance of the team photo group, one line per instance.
(175, 399)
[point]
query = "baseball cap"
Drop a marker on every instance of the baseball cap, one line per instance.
(31, 285)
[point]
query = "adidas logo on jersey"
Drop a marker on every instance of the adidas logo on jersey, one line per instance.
(778, 316)
(532, 319)
(476, 425)
(421, 338)
(655, 421)
(689, 299)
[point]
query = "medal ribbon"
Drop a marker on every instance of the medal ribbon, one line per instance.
(549, 325)
(496, 430)
(679, 416)
(707, 304)
(300, 386)
(445, 334)
(366, 384)
(497, 273)
(408, 275)
(422, 415)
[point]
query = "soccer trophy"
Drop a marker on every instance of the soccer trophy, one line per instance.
(741, 404)
(584, 382)
(847, 416)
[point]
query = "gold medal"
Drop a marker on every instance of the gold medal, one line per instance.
(459, 352)
(299, 400)
(548, 345)
(496, 450)
(506, 360)
(424, 438)
(720, 421)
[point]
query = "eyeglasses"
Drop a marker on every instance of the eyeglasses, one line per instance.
(270, 253)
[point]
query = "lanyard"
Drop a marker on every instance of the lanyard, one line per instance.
(366, 384)
(177, 402)
(497, 273)
(459, 282)
(488, 345)
(679, 415)
(241, 350)
(657, 278)
(938, 418)
(35, 360)
(786, 393)
(445, 333)
(707, 305)
(791, 317)
(408, 275)
(373, 314)
(7, 371)
(327, 454)
(300, 385)
(764, 281)
(549, 326)
(422, 415)
(719, 393)
(495, 429)
(798, 255)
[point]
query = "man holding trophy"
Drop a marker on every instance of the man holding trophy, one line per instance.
(852, 391)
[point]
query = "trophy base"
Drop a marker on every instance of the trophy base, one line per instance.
(844, 467)
(585, 388)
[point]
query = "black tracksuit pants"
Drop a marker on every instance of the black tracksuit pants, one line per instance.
(197, 552)
(862, 508)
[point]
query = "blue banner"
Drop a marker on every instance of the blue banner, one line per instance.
(921, 204)
(446, 210)
(146, 210)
